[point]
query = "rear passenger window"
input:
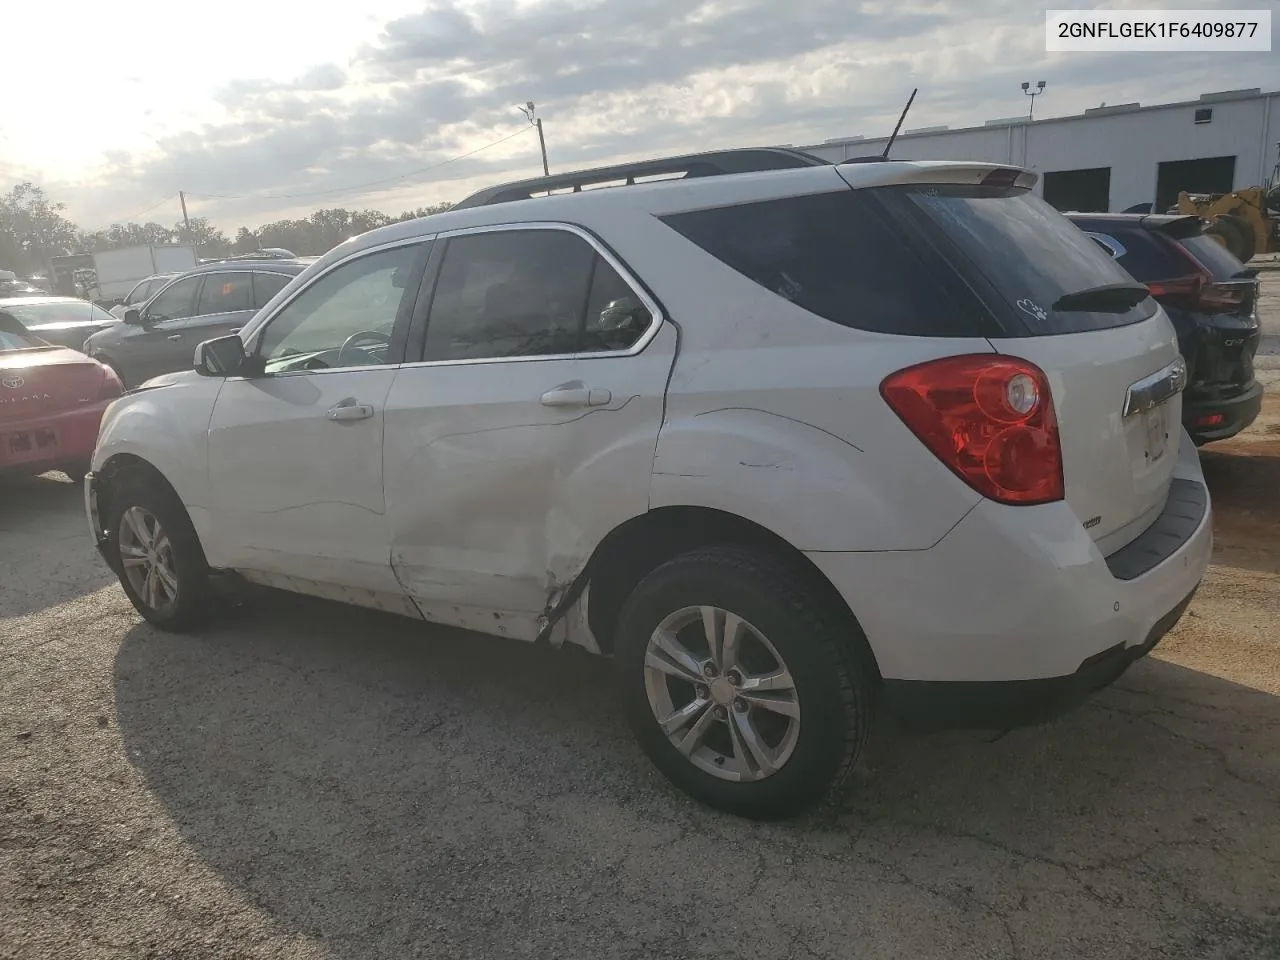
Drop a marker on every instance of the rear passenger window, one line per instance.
(226, 293)
(266, 286)
(528, 293)
(834, 254)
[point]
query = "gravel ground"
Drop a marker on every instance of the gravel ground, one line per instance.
(308, 781)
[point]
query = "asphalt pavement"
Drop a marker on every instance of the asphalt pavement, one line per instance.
(303, 780)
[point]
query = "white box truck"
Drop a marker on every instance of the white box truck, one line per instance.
(118, 271)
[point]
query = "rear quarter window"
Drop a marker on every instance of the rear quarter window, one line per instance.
(839, 256)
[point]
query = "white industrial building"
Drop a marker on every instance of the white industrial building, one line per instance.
(1111, 157)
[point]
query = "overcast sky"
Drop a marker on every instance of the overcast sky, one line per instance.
(260, 110)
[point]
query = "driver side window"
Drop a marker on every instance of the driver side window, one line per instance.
(177, 302)
(360, 297)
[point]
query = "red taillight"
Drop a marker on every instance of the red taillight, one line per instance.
(1198, 292)
(111, 385)
(1211, 420)
(1180, 288)
(989, 419)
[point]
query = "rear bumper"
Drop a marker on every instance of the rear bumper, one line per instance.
(1015, 615)
(938, 705)
(1236, 412)
(77, 434)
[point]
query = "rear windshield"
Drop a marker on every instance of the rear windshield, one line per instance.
(1218, 260)
(1027, 252)
(13, 336)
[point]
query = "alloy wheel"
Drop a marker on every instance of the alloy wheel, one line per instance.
(146, 554)
(722, 694)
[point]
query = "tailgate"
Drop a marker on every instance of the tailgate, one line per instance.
(1108, 350)
(1117, 397)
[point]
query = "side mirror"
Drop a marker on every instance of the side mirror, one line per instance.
(221, 357)
(133, 317)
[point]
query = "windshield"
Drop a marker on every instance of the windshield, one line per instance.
(1030, 253)
(61, 311)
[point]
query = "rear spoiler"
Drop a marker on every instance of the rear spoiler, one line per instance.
(1179, 228)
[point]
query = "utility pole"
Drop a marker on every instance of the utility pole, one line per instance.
(185, 222)
(528, 111)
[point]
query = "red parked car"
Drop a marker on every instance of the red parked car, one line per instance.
(51, 401)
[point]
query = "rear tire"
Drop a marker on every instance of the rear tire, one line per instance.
(154, 550)
(798, 654)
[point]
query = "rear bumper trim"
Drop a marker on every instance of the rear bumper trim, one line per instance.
(1182, 515)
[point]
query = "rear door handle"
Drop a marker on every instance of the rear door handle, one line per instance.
(576, 395)
(347, 410)
(174, 336)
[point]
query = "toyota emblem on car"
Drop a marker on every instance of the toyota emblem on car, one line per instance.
(13, 383)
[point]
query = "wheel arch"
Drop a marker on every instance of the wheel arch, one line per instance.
(639, 545)
(118, 465)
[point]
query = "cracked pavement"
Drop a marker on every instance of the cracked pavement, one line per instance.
(304, 780)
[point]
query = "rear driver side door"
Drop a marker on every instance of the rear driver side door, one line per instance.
(525, 430)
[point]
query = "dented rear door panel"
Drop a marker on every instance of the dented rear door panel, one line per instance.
(496, 499)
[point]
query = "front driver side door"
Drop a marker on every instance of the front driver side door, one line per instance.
(295, 454)
(146, 350)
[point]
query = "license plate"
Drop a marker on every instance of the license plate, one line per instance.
(1157, 424)
(31, 442)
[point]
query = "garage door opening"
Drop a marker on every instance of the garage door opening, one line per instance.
(1080, 191)
(1206, 175)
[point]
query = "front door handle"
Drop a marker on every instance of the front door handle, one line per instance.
(347, 410)
(576, 394)
(174, 336)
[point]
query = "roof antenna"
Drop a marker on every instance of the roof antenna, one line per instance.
(894, 136)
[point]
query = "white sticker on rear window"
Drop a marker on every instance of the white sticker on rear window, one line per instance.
(1032, 308)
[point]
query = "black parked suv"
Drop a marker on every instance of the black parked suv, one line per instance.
(1212, 299)
(210, 301)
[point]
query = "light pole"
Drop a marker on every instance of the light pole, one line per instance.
(1026, 89)
(528, 111)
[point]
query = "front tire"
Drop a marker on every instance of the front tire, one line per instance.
(748, 687)
(156, 553)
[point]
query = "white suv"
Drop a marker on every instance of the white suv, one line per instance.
(788, 444)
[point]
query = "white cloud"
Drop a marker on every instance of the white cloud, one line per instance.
(272, 109)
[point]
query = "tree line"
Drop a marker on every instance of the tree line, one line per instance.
(34, 228)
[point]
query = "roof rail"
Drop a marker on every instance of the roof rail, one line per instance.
(713, 164)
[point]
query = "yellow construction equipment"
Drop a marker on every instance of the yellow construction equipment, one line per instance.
(1246, 222)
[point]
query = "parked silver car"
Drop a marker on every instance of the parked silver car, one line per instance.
(213, 300)
(65, 321)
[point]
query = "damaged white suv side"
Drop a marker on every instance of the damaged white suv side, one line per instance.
(791, 441)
